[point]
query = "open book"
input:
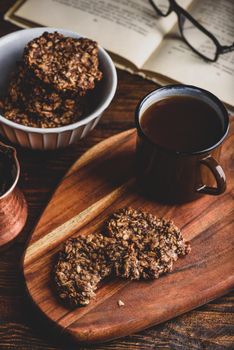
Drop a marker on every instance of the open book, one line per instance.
(139, 40)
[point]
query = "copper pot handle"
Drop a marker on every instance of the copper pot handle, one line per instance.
(219, 175)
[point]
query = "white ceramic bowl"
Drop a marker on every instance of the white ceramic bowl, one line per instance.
(11, 49)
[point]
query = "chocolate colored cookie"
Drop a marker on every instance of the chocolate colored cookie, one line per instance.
(133, 245)
(66, 63)
(146, 246)
(37, 98)
(81, 265)
(61, 117)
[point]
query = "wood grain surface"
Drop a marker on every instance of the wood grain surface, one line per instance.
(209, 327)
(99, 183)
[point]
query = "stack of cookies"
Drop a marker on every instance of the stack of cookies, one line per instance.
(50, 85)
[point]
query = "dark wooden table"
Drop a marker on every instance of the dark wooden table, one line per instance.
(208, 327)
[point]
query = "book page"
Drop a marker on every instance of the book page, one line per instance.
(129, 28)
(174, 59)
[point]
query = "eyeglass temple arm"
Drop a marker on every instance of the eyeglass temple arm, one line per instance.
(225, 49)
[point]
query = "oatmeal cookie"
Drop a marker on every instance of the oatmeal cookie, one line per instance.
(49, 87)
(134, 245)
(59, 110)
(17, 115)
(59, 118)
(63, 62)
(81, 265)
(146, 246)
(39, 99)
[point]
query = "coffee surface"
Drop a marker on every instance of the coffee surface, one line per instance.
(182, 124)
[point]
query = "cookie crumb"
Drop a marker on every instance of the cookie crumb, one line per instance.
(120, 303)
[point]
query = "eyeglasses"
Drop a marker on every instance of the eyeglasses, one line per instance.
(198, 38)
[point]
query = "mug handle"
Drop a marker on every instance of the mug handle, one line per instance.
(219, 175)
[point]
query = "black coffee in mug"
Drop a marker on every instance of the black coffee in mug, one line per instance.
(180, 131)
(182, 123)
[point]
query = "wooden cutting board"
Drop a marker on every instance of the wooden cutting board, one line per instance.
(100, 182)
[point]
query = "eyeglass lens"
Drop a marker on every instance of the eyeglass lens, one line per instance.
(199, 40)
(194, 36)
(162, 5)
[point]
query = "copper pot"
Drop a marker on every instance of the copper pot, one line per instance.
(13, 206)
